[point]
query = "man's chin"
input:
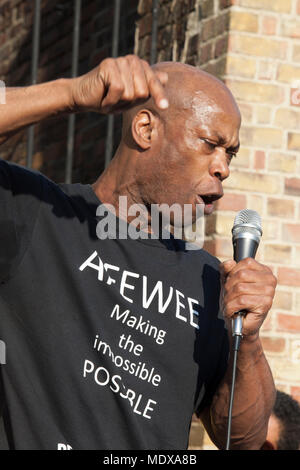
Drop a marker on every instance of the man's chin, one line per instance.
(208, 209)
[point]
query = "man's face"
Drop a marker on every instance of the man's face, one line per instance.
(194, 153)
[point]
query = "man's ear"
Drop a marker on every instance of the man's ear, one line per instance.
(144, 128)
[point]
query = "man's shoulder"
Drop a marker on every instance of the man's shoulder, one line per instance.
(205, 257)
(17, 172)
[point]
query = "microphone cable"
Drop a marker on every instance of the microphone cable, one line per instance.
(246, 234)
(236, 344)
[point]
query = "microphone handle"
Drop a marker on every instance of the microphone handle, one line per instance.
(243, 247)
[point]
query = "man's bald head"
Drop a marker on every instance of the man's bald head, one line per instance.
(190, 91)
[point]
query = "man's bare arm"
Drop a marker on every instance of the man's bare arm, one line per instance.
(105, 89)
(248, 286)
(253, 401)
(28, 105)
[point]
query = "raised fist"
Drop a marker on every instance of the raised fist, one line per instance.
(116, 84)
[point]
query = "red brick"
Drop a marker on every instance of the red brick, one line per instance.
(267, 324)
(291, 232)
(295, 97)
(231, 202)
(279, 207)
(225, 3)
(287, 322)
(259, 160)
(144, 6)
(269, 24)
(221, 46)
(205, 52)
(283, 300)
(145, 25)
(270, 344)
(292, 186)
(289, 277)
(207, 30)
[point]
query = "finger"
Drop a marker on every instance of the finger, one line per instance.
(114, 84)
(247, 289)
(155, 87)
(248, 276)
(163, 77)
(226, 267)
(140, 83)
(249, 264)
(237, 297)
(249, 303)
(126, 76)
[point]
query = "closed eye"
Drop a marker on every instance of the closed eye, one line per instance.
(231, 153)
(210, 145)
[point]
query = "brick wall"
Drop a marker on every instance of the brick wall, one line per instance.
(16, 19)
(254, 46)
(262, 70)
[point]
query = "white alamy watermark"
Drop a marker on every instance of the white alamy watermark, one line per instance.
(295, 93)
(159, 221)
(2, 352)
(2, 92)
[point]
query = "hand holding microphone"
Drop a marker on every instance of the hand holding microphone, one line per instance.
(248, 287)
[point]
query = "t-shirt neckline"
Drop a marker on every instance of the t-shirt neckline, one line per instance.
(172, 245)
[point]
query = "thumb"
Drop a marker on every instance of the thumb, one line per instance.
(226, 267)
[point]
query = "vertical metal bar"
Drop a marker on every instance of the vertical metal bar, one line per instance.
(153, 53)
(74, 72)
(114, 53)
(34, 70)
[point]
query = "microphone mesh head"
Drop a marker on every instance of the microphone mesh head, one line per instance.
(247, 221)
(249, 217)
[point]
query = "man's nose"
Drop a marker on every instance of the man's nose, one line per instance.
(219, 164)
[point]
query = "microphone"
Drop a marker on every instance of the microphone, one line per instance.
(246, 235)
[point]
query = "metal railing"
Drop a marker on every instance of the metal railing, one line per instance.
(114, 53)
(74, 71)
(34, 71)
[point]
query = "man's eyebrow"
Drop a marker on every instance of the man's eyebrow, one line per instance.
(235, 148)
(222, 141)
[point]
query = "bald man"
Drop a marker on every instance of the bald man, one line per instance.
(114, 342)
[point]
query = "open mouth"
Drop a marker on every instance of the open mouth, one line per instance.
(208, 201)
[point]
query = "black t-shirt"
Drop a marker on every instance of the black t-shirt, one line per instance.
(109, 344)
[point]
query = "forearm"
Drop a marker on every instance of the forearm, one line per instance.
(253, 399)
(28, 105)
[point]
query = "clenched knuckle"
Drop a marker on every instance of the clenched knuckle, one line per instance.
(239, 288)
(274, 281)
(107, 62)
(118, 87)
(242, 301)
(242, 275)
(132, 59)
(143, 93)
(249, 262)
(145, 63)
(270, 291)
(268, 303)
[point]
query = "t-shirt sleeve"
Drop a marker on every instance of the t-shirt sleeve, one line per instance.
(20, 198)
